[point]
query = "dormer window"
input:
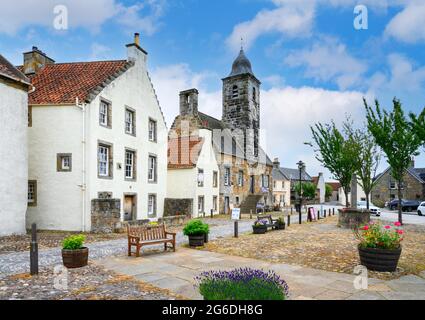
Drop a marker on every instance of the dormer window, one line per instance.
(235, 92)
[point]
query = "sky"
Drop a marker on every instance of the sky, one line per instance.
(314, 65)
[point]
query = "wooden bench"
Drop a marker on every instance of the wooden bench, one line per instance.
(140, 236)
(272, 223)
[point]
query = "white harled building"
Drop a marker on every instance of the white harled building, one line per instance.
(14, 87)
(96, 132)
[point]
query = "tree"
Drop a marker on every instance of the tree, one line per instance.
(394, 133)
(368, 159)
(336, 153)
(329, 191)
(308, 190)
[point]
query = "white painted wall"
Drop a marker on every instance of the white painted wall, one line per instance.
(13, 159)
(361, 196)
(282, 187)
(63, 202)
(321, 186)
(183, 183)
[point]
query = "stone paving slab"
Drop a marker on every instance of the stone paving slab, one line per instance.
(176, 272)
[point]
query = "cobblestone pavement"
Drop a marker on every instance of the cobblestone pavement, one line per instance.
(89, 283)
(16, 263)
(176, 272)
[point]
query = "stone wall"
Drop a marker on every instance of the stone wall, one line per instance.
(413, 189)
(105, 215)
(178, 207)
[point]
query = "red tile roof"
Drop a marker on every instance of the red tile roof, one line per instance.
(9, 71)
(335, 185)
(62, 83)
(183, 152)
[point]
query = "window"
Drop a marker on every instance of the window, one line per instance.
(265, 181)
(237, 200)
(200, 177)
(32, 193)
(215, 179)
(215, 203)
(152, 169)
(130, 165)
(254, 94)
(152, 130)
(105, 162)
(240, 178)
(201, 204)
(283, 184)
(105, 114)
(64, 162)
(152, 205)
(234, 146)
(227, 176)
(274, 184)
(393, 185)
(235, 92)
(130, 121)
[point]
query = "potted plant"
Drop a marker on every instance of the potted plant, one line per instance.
(196, 231)
(380, 246)
(281, 225)
(74, 255)
(260, 227)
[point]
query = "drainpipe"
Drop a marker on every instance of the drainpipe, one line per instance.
(83, 178)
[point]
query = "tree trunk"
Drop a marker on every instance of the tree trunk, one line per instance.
(367, 201)
(400, 208)
(347, 204)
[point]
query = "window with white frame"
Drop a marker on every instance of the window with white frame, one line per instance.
(152, 205)
(105, 114)
(130, 118)
(104, 161)
(200, 177)
(227, 176)
(32, 193)
(152, 169)
(265, 181)
(393, 185)
(64, 162)
(152, 130)
(240, 178)
(201, 204)
(130, 159)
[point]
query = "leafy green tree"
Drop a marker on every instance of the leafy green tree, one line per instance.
(308, 190)
(394, 133)
(329, 191)
(337, 153)
(368, 158)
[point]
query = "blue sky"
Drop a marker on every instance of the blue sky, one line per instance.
(313, 64)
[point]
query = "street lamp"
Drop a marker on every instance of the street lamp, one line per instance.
(301, 168)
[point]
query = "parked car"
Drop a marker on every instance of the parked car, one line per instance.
(406, 205)
(375, 210)
(421, 209)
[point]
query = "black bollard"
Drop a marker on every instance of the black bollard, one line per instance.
(236, 229)
(325, 213)
(34, 251)
(212, 213)
(289, 220)
(333, 211)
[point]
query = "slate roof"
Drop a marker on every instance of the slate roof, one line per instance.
(183, 152)
(418, 173)
(62, 83)
(277, 174)
(9, 71)
(294, 174)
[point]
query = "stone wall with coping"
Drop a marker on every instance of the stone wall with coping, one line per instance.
(105, 215)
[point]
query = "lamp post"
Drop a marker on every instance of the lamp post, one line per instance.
(301, 167)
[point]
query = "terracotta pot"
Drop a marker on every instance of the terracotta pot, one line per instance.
(197, 241)
(259, 229)
(381, 260)
(75, 258)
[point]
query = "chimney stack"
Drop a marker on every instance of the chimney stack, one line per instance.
(135, 52)
(137, 39)
(189, 102)
(34, 60)
(276, 163)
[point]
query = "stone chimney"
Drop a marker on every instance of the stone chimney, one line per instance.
(189, 102)
(412, 163)
(276, 163)
(34, 60)
(135, 52)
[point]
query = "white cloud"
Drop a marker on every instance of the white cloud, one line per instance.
(329, 61)
(99, 51)
(82, 13)
(407, 26)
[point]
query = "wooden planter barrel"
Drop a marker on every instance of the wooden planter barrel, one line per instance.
(206, 238)
(197, 241)
(380, 259)
(259, 229)
(75, 258)
(281, 226)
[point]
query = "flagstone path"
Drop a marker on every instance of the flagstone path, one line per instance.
(18, 262)
(176, 272)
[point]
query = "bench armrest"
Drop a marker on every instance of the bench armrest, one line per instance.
(133, 239)
(170, 233)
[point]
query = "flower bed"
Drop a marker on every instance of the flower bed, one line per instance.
(242, 284)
